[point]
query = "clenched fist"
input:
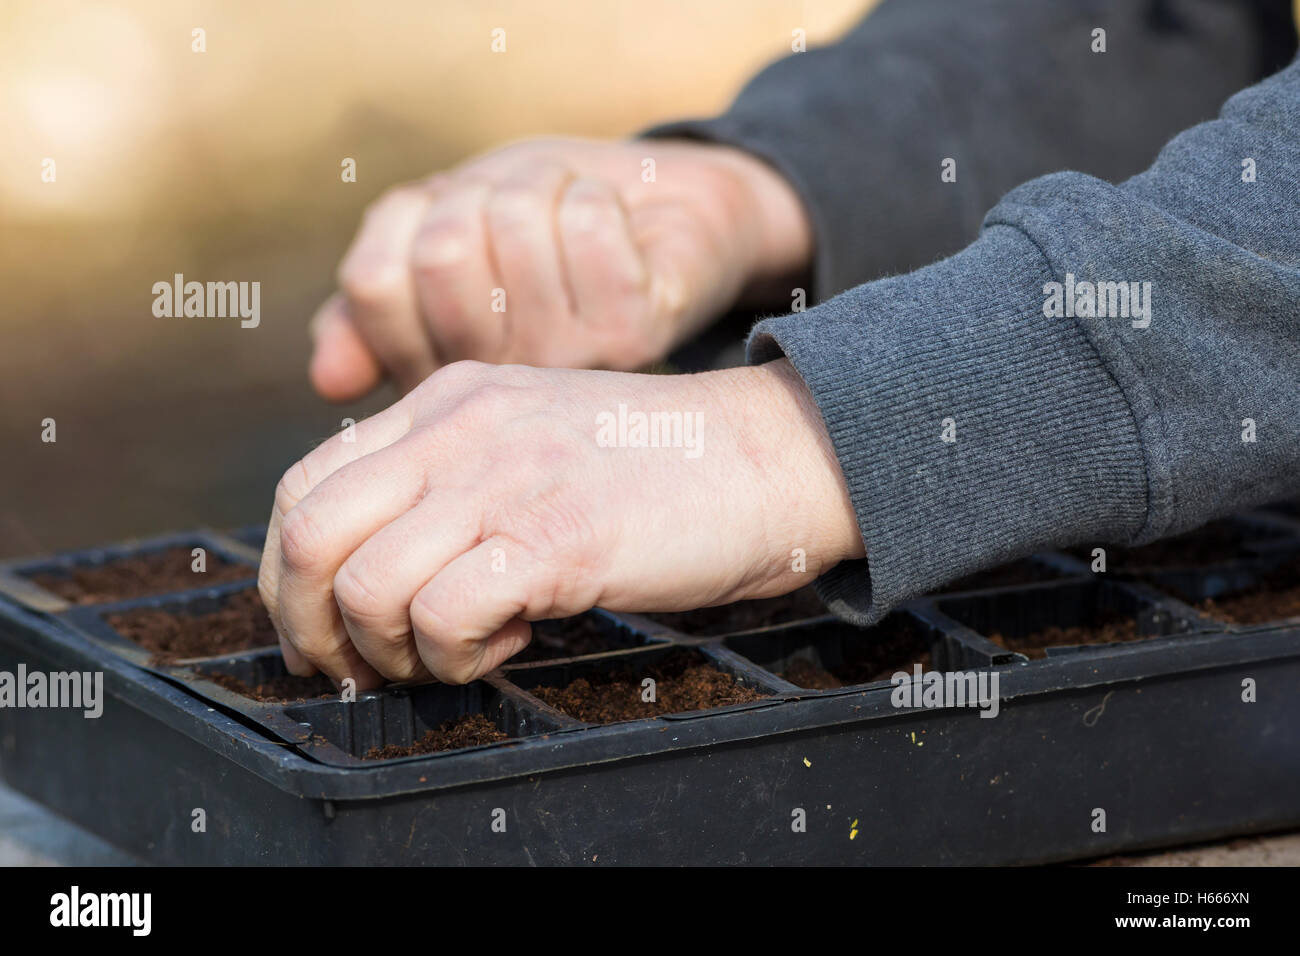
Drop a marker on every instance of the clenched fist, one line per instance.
(492, 496)
(562, 253)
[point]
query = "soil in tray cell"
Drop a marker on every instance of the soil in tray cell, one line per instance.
(472, 730)
(1110, 629)
(240, 624)
(877, 656)
(744, 615)
(684, 681)
(139, 575)
(285, 688)
(1276, 599)
(567, 637)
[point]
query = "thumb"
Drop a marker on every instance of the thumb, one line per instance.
(342, 366)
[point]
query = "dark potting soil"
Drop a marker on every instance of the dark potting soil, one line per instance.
(684, 681)
(744, 615)
(1258, 607)
(1110, 629)
(472, 730)
(240, 624)
(1018, 572)
(565, 637)
(1215, 542)
(286, 687)
(139, 575)
(804, 673)
(877, 656)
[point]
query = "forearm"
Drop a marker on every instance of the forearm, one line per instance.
(975, 423)
(1008, 89)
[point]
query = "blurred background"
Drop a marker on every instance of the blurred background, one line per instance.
(224, 165)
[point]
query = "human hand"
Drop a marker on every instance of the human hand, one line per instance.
(600, 268)
(488, 498)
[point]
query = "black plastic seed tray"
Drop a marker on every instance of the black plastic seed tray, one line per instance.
(1074, 714)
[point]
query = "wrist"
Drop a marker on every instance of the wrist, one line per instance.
(776, 218)
(800, 490)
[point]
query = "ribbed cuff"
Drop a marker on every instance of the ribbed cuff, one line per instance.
(1044, 450)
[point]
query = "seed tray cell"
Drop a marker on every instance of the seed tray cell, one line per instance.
(225, 556)
(96, 623)
(1142, 727)
(833, 656)
(1053, 611)
(346, 734)
(621, 677)
(581, 636)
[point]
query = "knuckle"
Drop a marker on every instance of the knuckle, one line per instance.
(407, 667)
(560, 540)
(442, 244)
(455, 653)
(465, 372)
(314, 649)
(587, 209)
(393, 196)
(396, 643)
(292, 487)
(456, 377)
(356, 597)
(489, 399)
(302, 545)
(488, 402)
(431, 624)
(372, 281)
(516, 204)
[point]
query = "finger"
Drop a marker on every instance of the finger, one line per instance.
(369, 435)
(520, 215)
(375, 277)
(294, 662)
(467, 619)
(602, 264)
(455, 277)
(342, 366)
(319, 535)
(376, 585)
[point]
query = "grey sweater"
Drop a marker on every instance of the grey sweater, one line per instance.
(1004, 400)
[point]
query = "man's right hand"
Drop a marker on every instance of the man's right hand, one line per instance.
(569, 253)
